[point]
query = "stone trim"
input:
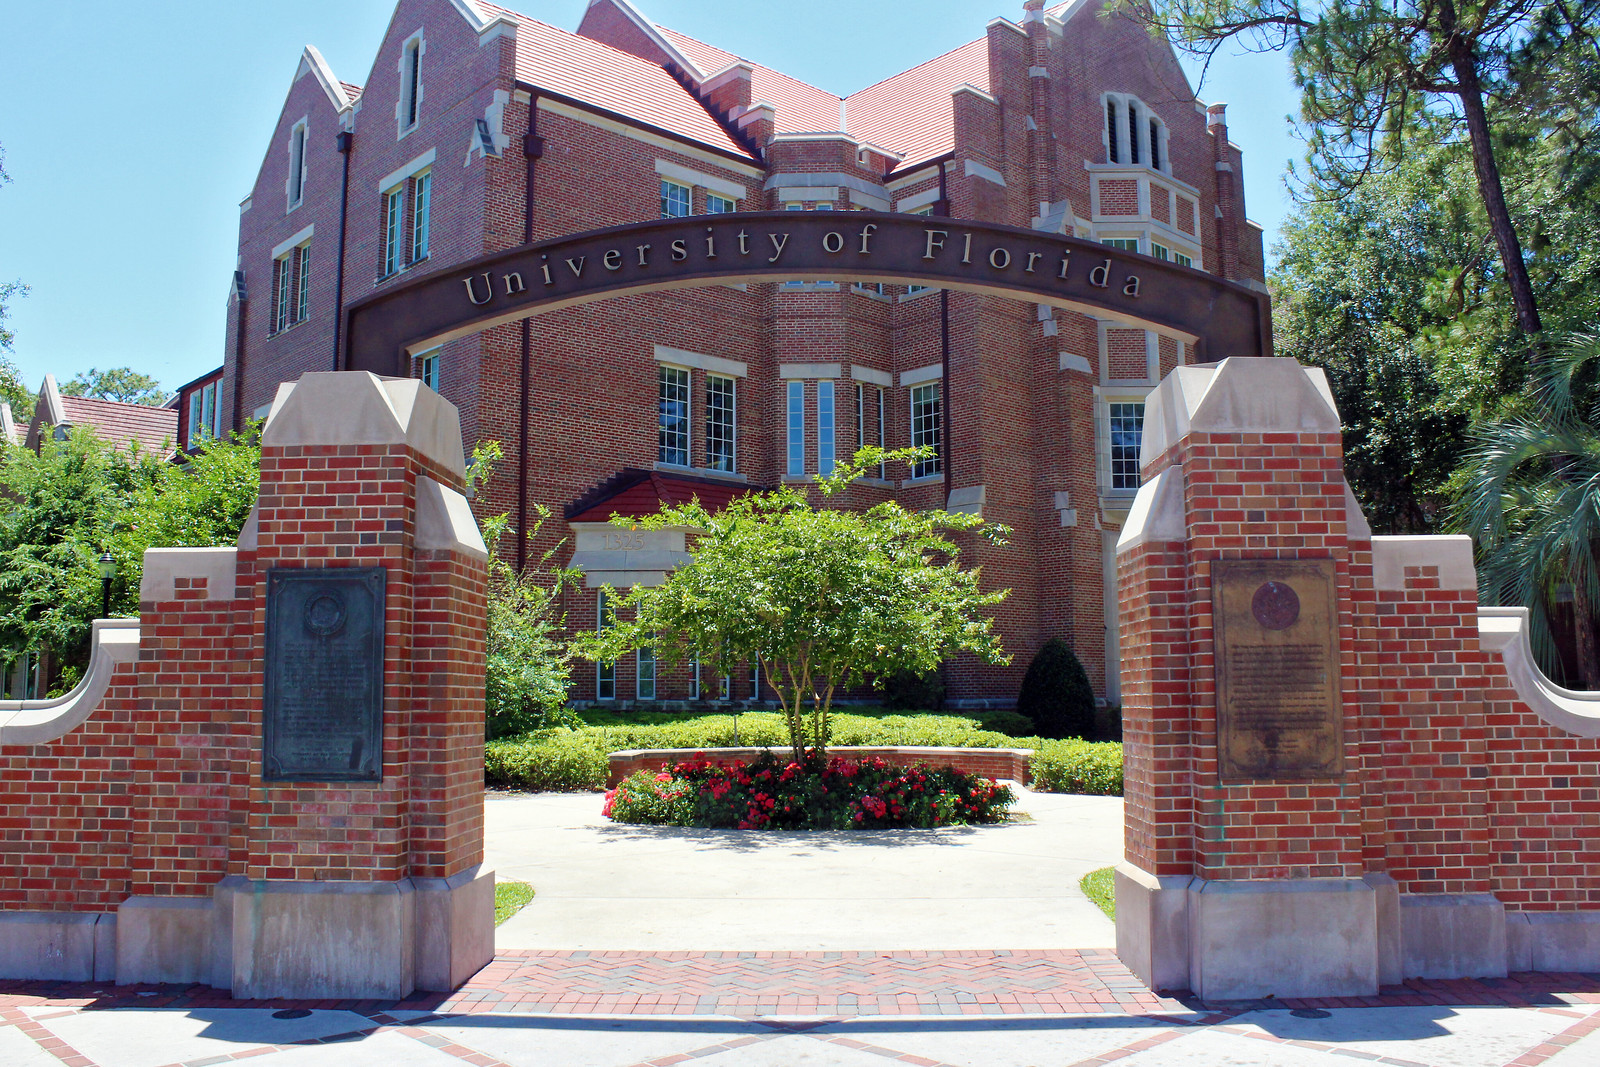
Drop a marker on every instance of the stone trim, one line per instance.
(34, 722)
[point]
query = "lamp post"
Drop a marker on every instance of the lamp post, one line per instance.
(108, 571)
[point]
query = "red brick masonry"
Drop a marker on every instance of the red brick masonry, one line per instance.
(1000, 764)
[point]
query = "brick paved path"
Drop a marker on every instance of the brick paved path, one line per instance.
(629, 1009)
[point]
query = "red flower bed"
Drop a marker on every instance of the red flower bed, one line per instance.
(778, 793)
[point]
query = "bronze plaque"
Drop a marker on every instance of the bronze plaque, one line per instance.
(1279, 706)
(322, 717)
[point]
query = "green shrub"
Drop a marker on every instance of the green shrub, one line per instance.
(909, 691)
(651, 798)
(1010, 723)
(1056, 693)
(562, 761)
(575, 759)
(1073, 766)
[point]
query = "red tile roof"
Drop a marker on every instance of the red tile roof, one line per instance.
(633, 492)
(910, 113)
(156, 429)
(801, 108)
(597, 74)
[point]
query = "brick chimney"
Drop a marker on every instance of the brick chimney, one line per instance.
(1227, 213)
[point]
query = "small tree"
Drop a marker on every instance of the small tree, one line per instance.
(820, 598)
(119, 383)
(1056, 693)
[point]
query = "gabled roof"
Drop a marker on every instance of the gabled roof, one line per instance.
(121, 424)
(911, 113)
(342, 95)
(612, 80)
(633, 492)
(801, 108)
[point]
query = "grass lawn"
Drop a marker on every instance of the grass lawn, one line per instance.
(1097, 886)
(510, 898)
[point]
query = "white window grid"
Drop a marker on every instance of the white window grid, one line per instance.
(645, 682)
(796, 429)
(283, 273)
(721, 423)
(720, 205)
(421, 204)
(1124, 428)
(926, 429)
(428, 369)
(825, 428)
(675, 200)
(1134, 135)
(1126, 244)
(673, 415)
(394, 211)
(755, 680)
(605, 674)
(302, 269)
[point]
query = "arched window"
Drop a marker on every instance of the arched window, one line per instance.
(1134, 135)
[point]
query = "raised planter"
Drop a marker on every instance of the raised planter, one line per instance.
(1000, 764)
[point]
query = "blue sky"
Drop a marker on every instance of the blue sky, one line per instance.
(132, 131)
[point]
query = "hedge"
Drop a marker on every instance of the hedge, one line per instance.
(575, 759)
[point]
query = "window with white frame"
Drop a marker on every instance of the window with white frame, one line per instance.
(825, 438)
(291, 287)
(1125, 427)
(1127, 244)
(394, 219)
(297, 164)
(721, 428)
(755, 680)
(869, 399)
(421, 204)
(796, 429)
(672, 393)
(605, 674)
(410, 84)
(675, 200)
(1133, 133)
(646, 680)
(428, 368)
(1161, 251)
(927, 427)
(720, 205)
(694, 679)
(205, 413)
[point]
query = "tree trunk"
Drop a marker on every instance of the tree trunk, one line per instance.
(1583, 631)
(1464, 62)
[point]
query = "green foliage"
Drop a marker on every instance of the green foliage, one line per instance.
(820, 598)
(1100, 887)
(78, 498)
(810, 793)
(910, 691)
(1092, 767)
(13, 390)
(1530, 495)
(561, 762)
(119, 383)
(568, 759)
(1056, 694)
(510, 898)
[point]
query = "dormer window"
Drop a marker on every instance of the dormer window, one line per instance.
(1133, 134)
(297, 164)
(409, 104)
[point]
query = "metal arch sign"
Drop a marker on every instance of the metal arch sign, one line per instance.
(1219, 318)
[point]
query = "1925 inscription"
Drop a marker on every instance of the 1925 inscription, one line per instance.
(1279, 711)
(323, 691)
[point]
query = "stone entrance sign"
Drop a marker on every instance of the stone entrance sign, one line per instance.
(323, 693)
(1278, 696)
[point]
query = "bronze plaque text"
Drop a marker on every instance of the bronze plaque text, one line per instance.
(1279, 708)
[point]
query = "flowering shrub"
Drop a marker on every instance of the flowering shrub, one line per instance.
(651, 798)
(779, 793)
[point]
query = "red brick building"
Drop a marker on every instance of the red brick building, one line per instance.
(478, 129)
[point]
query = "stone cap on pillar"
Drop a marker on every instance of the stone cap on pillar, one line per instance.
(360, 408)
(1242, 394)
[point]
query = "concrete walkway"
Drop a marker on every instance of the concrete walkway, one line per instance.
(602, 885)
(886, 978)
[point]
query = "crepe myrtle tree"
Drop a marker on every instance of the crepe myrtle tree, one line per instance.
(821, 598)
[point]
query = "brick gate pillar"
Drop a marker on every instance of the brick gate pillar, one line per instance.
(367, 888)
(1242, 883)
